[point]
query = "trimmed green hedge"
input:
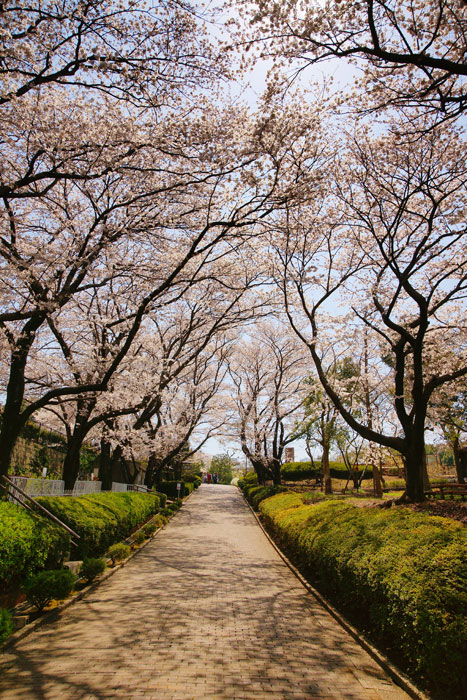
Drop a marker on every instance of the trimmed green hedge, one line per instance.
(401, 574)
(256, 494)
(299, 471)
(101, 519)
(170, 488)
(28, 543)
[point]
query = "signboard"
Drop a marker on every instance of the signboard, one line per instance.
(290, 454)
(179, 486)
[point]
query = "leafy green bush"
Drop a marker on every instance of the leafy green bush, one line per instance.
(170, 488)
(299, 471)
(399, 573)
(149, 529)
(28, 543)
(45, 586)
(140, 537)
(256, 494)
(103, 518)
(162, 498)
(167, 512)
(92, 567)
(6, 625)
(118, 552)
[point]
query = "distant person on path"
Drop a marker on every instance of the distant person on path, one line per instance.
(214, 479)
(209, 477)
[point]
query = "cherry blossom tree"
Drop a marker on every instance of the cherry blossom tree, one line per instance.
(408, 54)
(389, 244)
(267, 375)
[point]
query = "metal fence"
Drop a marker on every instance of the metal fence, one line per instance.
(54, 487)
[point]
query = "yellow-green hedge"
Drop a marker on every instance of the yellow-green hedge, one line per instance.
(401, 574)
(103, 518)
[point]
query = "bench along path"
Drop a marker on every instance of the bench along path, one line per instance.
(206, 610)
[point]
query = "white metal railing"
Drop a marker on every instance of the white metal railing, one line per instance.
(54, 487)
(82, 487)
(116, 486)
(39, 487)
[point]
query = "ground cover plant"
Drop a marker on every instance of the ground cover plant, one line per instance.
(101, 519)
(399, 574)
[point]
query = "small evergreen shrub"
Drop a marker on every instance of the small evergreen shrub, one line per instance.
(140, 537)
(166, 512)
(149, 529)
(90, 568)
(45, 586)
(118, 552)
(6, 625)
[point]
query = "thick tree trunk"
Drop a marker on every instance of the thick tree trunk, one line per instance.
(105, 466)
(150, 471)
(12, 420)
(276, 473)
(460, 460)
(326, 470)
(81, 428)
(71, 463)
(415, 467)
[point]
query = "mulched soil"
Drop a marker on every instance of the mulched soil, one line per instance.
(456, 510)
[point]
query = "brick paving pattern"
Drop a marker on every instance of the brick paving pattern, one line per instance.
(206, 610)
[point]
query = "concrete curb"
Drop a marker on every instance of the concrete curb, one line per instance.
(397, 676)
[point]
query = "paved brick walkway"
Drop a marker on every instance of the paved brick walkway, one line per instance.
(206, 610)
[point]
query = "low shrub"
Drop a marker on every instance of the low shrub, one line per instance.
(170, 489)
(28, 542)
(299, 471)
(250, 479)
(160, 520)
(256, 494)
(400, 574)
(118, 552)
(46, 586)
(103, 518)
(162, 498)
(140, 537)
(90, 568)
(166, 512)
(6, 625)
(149, 529)
(176, 505)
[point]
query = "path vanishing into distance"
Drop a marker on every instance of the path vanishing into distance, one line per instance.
(207, 609)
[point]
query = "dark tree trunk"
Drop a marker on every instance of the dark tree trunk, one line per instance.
(12, 419)
(81, 428)
(327, 481)
(150, 471)
(460, 460)
(105, 465)
(415, 467)
(276, 472)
